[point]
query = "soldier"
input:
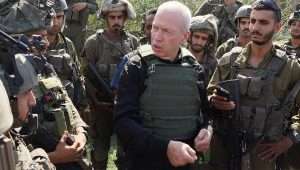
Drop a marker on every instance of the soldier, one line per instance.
(203, 40)
(77, 20)
(147, 25)
(103, 50)
(292, 47)
(224, 11)
(57, 112)
(268, 90)
(158, 114)
(62, 55)
(19, 80)
(242, 21)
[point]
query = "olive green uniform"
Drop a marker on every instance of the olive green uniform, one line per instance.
(261, 90)
(76, 22)
(63, 56)
(226, 47)
(291, 50)
(105, 55)
(226, 26)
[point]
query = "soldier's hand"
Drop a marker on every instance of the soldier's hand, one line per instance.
(77, 7)
(202, 141)
(270, 151)
(65, 153)
(80, 141)
(180, 154)
(221, 103)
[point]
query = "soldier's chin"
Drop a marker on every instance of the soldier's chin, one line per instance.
(259, 42)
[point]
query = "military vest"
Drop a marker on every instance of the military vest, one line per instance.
(109, 53)
(259, 108)
(170, 104)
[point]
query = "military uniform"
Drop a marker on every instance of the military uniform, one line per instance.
(226, 26)
(146, 91)
(263, 114)
(63, 56)
(226, 47)
(293, 51)
(105, 55)
(76, 22)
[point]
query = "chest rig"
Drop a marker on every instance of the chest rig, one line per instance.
(259, 108)
(110, 53)
(170, 104)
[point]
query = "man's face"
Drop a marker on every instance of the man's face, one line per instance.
(25, 102)
(58, 22)
(115, 21)
(148, 25)
(198, 41)
(263, 26)
(167, 35)
(244, 27)
(295, 29)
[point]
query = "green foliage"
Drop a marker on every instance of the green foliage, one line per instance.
(141, 6)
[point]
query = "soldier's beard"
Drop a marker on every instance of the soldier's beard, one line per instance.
(265, 38)
(295, 36)
(197, 48)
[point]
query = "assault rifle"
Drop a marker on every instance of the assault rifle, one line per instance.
(234, 140)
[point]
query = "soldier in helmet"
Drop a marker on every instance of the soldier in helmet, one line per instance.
(19, 78)
(203, 40)
(62, 55)
(242, 21)
(77, 19)
(225, 12)
(293, 45)
(57, 112)
(104, 50)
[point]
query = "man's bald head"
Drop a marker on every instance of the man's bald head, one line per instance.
(180, 12)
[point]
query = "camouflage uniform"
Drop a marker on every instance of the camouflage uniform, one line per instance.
(105, 54)
(274, 68)
(57, 112)
(226, 47)
(206, 23)
(294, 51)
(26, 159)
(76, 22)
(225, 14)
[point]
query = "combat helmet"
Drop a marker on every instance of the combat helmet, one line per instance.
(243, 12)
(295, 16)
(60, 5)
(5, 112)
(27, 15)
(117, 5)
(208, 23)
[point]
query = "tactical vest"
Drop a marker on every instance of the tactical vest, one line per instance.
(259, 108)
(170, 104)
(109, 53)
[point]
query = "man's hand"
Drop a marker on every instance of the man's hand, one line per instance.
(80, 141)
(202, 141)
(270, 151)
(65, 153)
(180, 154)
(221, 103)
(77, 7)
